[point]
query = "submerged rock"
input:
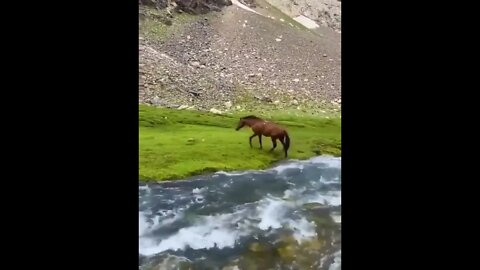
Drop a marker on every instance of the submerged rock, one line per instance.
(231, 267)
(258, 247)
(287, 253)
(317, 208)
(167, 262)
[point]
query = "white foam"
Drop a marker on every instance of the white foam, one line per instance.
(171, 262)
(143, 188)
(220, 230)
(332, 198)
(282, 168)
(197, 195)
(144, 227)
(224, 230)
(143, 224)
(144, 246)
(335, 162)
(329, 161)
(293, 194)
(233, 173)
(333, 181)
(302, 229)
(337, 261)
(147, 189)
(322, 261)
(199, 199)
(198, 237)
(272, 216)
(337, 218)
(208, 232)
(198, 190)
(272, 213)
(167, 221)
(225, 185)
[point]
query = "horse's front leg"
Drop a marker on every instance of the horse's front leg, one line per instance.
(251, 137)
(260, 140)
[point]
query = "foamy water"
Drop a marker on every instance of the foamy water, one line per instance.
(223, 213)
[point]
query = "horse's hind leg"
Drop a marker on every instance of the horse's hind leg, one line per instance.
(274, 142)
(284, 149)
(251, 137)
(260, 140)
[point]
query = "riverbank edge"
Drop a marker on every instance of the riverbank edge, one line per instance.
(209, 174)
(150, 113)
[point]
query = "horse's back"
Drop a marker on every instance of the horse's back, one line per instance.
(273, 130)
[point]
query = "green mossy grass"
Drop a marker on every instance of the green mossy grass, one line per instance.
(176, 144)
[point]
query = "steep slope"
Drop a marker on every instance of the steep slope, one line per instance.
(239, 60)
(325, 12)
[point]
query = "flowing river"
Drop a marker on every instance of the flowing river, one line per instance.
(286, 217)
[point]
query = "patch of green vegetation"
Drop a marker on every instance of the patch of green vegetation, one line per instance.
(270, 109)
(278, 14)
(176, 144)
(245, 98)
(152, 23)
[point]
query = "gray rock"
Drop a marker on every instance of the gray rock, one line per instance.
(215, 111)
(156, 101)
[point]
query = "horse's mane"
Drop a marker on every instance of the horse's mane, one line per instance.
(251, 117)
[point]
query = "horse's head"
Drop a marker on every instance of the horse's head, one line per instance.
(241, 124)
(247, 120)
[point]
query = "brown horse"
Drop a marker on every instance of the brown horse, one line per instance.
(268, 129)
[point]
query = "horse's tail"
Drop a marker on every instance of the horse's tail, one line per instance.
(287, 142)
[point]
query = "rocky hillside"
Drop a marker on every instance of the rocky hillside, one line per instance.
(237, 58)
(325, 12)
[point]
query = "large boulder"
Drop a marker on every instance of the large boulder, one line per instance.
(155, 3)
(201, 6)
